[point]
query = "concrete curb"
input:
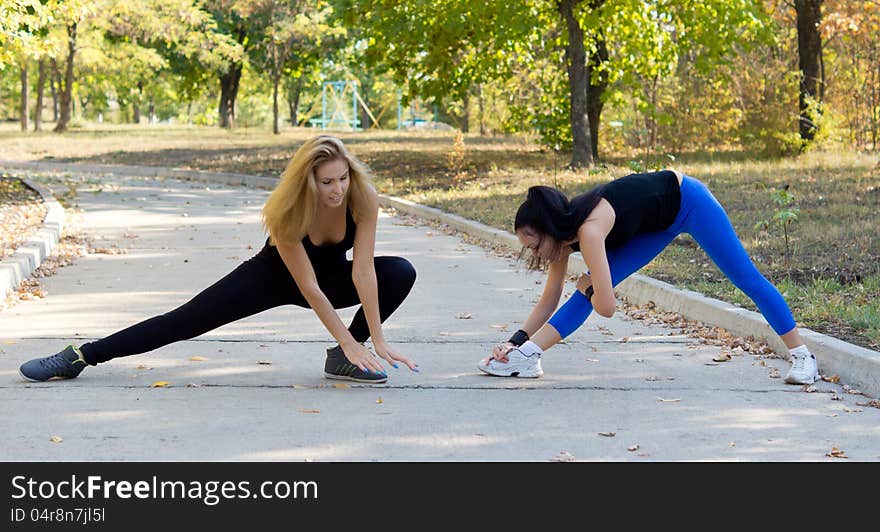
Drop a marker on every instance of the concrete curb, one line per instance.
(858, 366)
(34, 250)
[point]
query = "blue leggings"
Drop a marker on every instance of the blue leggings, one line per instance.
(704, 219)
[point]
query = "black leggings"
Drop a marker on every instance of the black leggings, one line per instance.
(260, 283)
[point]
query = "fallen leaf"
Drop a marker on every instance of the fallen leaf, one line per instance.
(592, 360)
(832, 379)
(198, 359)
(774, 373)
(379, 401)
(732, 444)
(662, 400)
(608, 434)
(160, 384)
(499, 326)
(141, 366)
(563, 456)
(873, 403)
(308, 411)
(624, 340)
(464, 316)
(56, 439)
(808, 388)
(264, 362)
(652, 378)
(847, 409)
(721, 357)
(633, 448)
(836, 453)
(341, 385)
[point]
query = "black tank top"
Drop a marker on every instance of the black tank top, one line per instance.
(332, 253)
(642, 203)
(320, 255)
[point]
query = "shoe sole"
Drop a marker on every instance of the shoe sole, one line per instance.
(353, 379)
(25, 377)
(517, 374)
(795, 381)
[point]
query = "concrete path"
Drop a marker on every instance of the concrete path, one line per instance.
(259, 393)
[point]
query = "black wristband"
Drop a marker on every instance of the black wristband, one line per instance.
(589, 292)
(519, 338)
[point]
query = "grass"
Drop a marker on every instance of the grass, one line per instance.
(832, 281)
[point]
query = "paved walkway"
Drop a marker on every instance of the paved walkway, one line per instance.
(259, 393)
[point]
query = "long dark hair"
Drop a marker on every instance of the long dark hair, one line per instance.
(550, 213)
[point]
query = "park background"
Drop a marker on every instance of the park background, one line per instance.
(462, 106)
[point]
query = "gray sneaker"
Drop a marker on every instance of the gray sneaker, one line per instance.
(338, 367)
(64, 365)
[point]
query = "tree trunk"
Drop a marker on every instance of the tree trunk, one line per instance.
(41, 85)
(293, 94)
(55, 86)
(23, 112)
(581, 155)
(481, 115)
(465, 123)
(276, 126)
(67, 88)
(596, 88)
(228, 91)
(809, 15)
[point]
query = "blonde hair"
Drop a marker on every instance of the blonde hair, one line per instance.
(291, 207)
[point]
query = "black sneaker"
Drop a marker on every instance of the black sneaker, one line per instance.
(338, 367)
(64, 365)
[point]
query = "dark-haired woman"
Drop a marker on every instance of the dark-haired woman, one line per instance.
(619, 227)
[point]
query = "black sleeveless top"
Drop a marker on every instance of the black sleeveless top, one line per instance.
(332, 253)
(642, 203)
(327, 254)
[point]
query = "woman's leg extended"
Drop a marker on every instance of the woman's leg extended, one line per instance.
(258, 284)
(395, 277)
(711, 228)
(623, 262)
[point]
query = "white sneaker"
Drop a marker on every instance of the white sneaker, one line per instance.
(517, 365)
(803, 370)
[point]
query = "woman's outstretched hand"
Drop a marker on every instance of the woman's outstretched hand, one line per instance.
(360, 356)
(499, 352)
(392, 356)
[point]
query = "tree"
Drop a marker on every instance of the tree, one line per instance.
(809, 17)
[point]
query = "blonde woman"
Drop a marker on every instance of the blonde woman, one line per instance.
(323, 206)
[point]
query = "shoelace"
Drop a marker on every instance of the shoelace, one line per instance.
(798, 365)
(57, 363)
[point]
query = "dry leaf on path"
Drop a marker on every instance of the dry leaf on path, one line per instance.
(341, 386)
(264, 362)
(873, 403)
(379, 401)
(198, 359)
(499, 326)
(774, 373)
(608, 434)
(834, 379)
(56, 439)
(662, 400)
(721, 357)
(563, 456)
(633, 448)
(836, 453)
(464, 316)
(592, 360)
(160, 384)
